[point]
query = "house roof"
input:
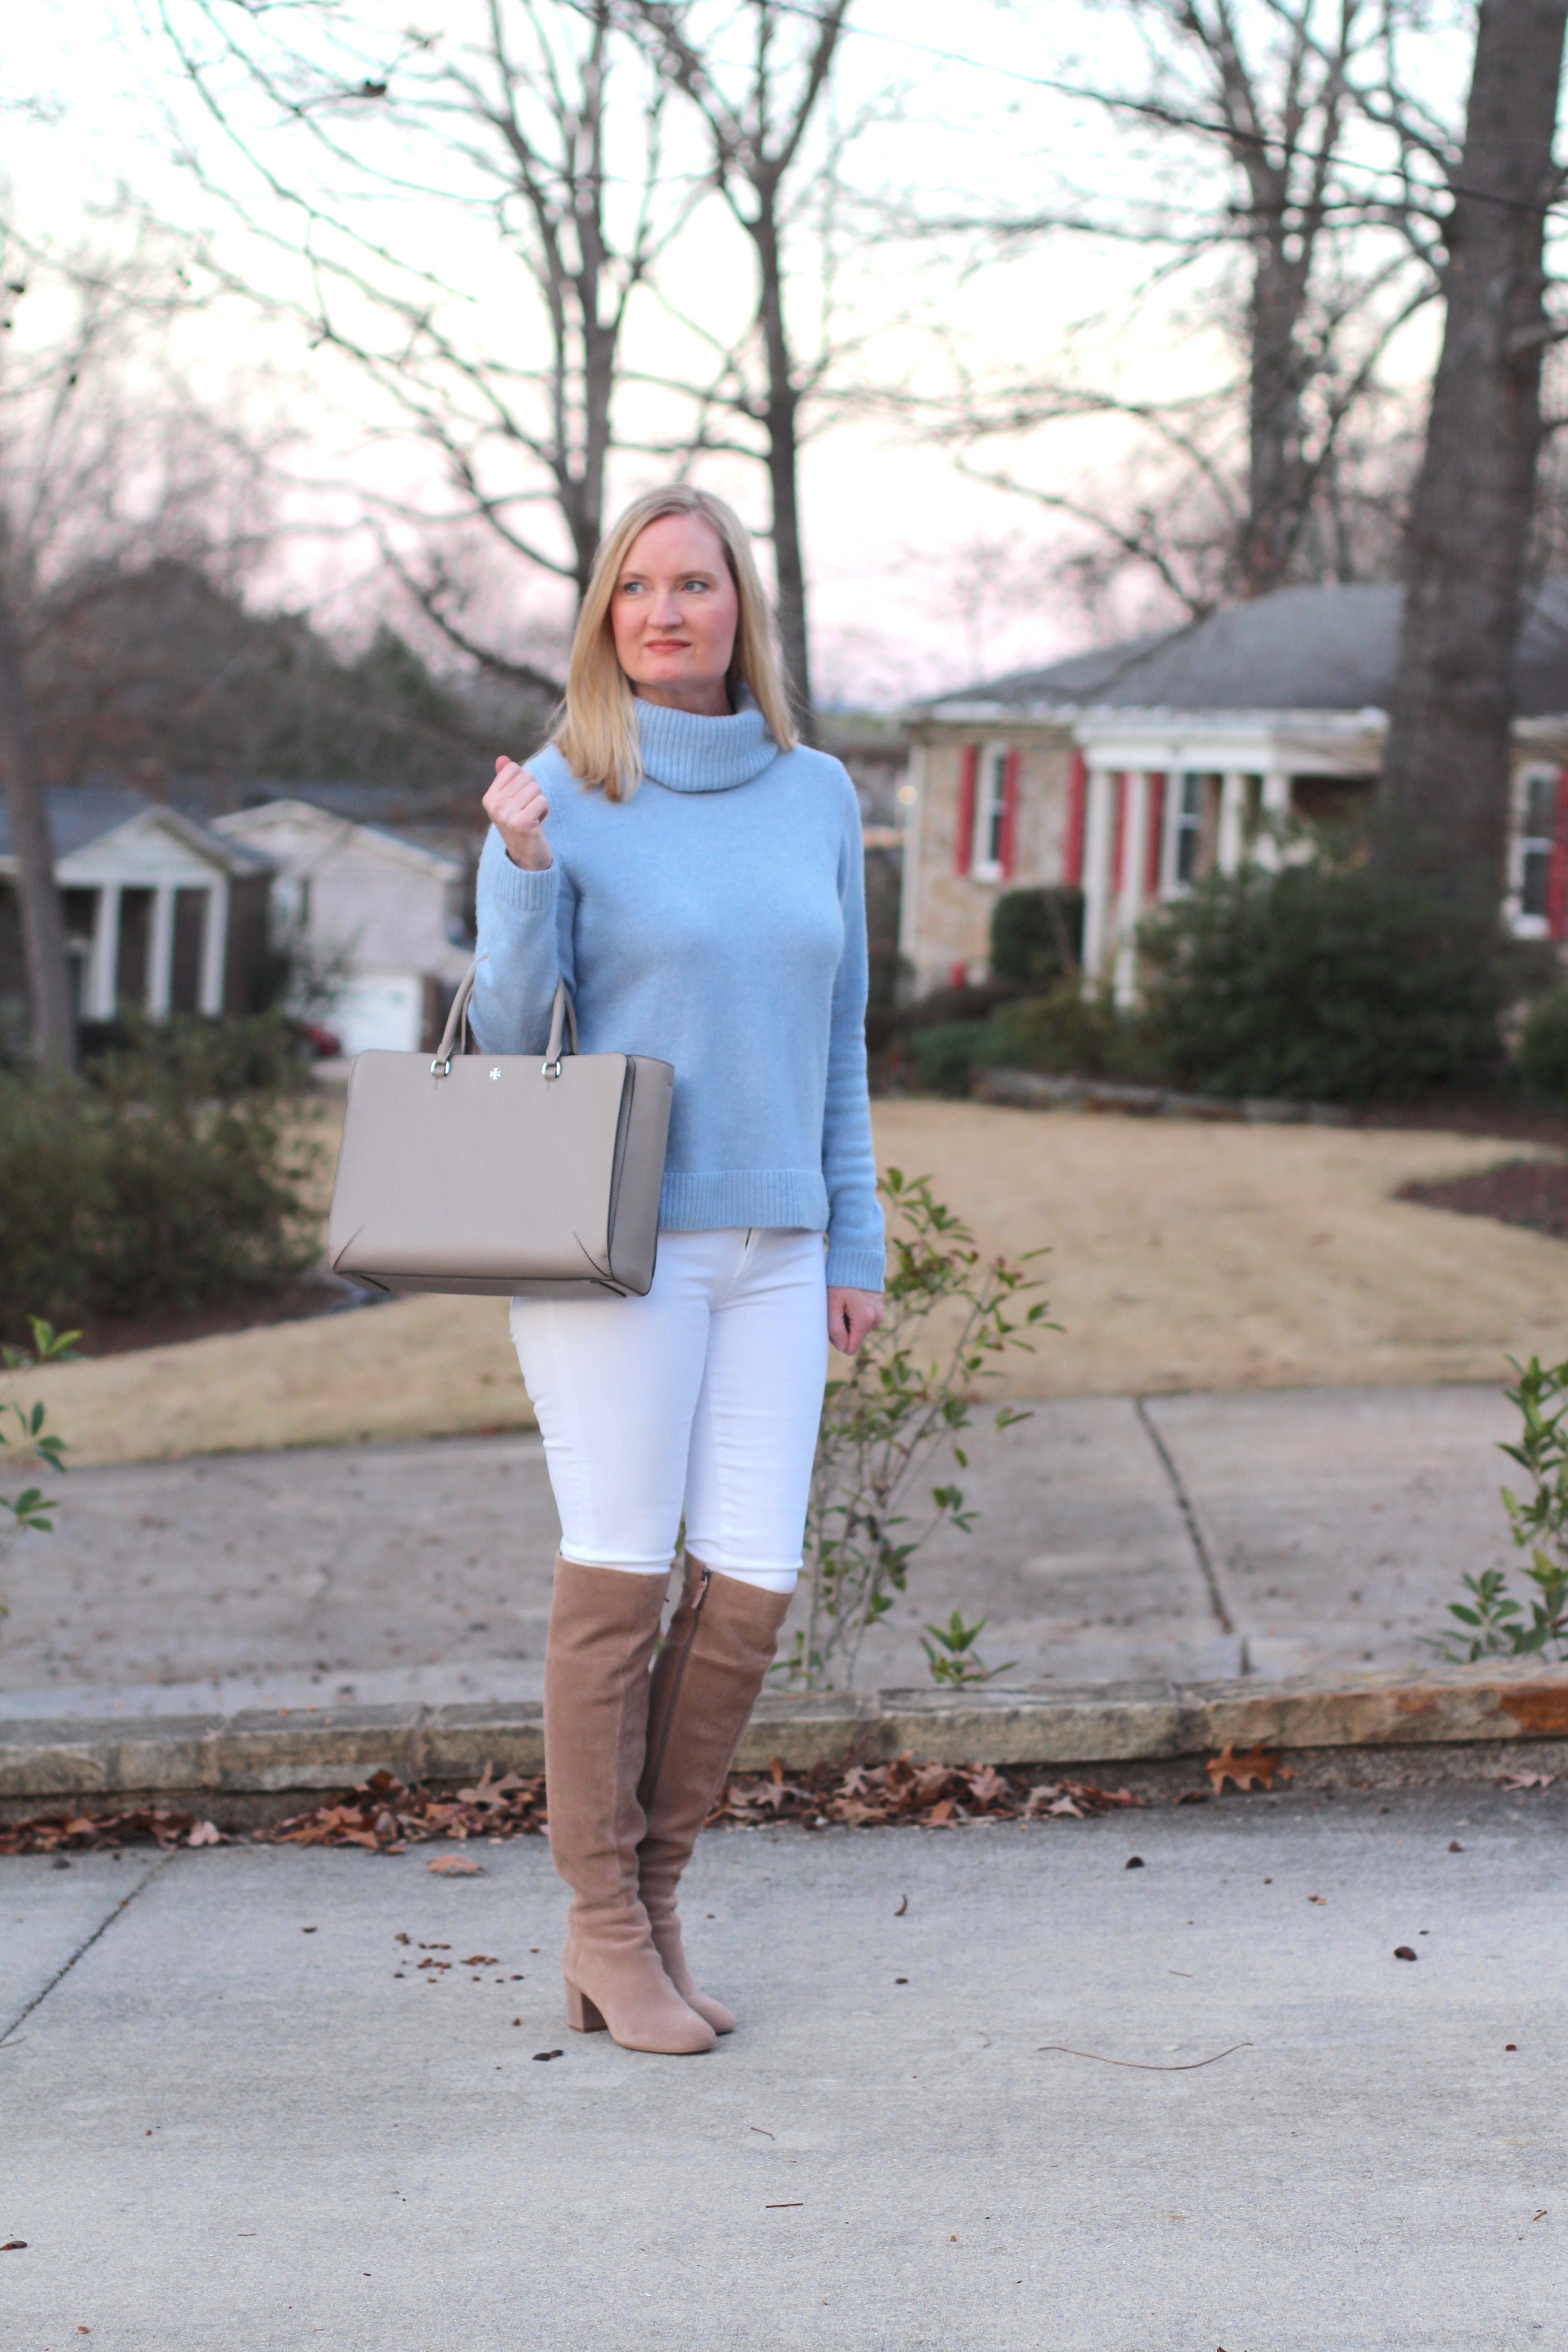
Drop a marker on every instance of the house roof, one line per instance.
(81, 814)
(1328, 649)
(252, 826)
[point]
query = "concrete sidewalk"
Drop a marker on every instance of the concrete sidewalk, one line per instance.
(242, 2111)
(1116, 1542)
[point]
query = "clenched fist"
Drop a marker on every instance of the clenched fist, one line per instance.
(517, 808)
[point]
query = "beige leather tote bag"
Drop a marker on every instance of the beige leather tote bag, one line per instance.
(480, 1173)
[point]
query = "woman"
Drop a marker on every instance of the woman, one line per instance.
(696, 877)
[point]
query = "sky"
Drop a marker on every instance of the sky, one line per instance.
(900, 544)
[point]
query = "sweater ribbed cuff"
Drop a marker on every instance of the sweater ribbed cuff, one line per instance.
(531, 891)
(855, 1269)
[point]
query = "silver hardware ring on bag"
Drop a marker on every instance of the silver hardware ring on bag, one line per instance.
(563, 1026)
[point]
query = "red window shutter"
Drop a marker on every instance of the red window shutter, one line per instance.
(1009, 812)
(963, 819)
(1077, 802)
(1557, 864)
(1153, 835)
(1117, 830)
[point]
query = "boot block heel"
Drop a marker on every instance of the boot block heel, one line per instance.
(581, 2014)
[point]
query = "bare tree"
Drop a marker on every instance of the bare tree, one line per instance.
(1302, 216)
(1443, 802)
(43, 927)
(108, 464)
(537, 130)
(759, 117)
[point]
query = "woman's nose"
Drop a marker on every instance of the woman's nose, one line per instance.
(665, 613)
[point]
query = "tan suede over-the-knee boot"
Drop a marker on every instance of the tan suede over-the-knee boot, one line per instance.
(719, 1645)
(604, 1622)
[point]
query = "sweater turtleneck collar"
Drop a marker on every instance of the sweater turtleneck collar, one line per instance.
(688, 754)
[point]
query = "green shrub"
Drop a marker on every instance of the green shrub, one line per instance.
(945, 1055)
(204, 1060)
(1321, 981)
(141, 1190)
(1036, 936)
(1543, 1046)
(1064, 1032)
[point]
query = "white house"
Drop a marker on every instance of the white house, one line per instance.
(161, 914)
(1131, 771)
(387, 913)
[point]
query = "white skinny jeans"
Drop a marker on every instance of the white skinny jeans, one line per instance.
(703, 1397)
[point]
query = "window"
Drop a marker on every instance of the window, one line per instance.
(1195, 826)
(988, 856)
(1536, 845)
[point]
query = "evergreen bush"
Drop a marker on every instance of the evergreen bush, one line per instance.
(1543, 1046)
(1036, 936)
(1320, 981)
(161, 1180)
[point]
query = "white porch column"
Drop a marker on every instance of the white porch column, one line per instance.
(1276, 806)
(1130, 900)
(1097, 880)
(910, 875)
(1232, 823)
(161, 954)
(99, 995)
(215, 946)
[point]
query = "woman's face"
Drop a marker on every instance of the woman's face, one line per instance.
(674, 614)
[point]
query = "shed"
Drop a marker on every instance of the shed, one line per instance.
(381, 920)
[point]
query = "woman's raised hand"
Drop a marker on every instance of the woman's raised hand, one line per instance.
(517, 808)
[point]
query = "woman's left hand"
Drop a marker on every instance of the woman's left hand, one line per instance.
(852, 1316)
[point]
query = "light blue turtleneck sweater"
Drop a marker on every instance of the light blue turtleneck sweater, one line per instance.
(717, 920)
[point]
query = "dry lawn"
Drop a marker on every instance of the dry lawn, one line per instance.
(1181, 1256)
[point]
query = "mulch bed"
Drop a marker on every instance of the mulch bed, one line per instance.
(294, 1302)
(1533, 1193)
(385, 1816)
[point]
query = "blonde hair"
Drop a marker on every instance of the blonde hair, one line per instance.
(596, 730)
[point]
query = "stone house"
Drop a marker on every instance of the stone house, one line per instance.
(1131, 771)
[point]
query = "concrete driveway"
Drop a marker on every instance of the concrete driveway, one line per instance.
(260, 2098)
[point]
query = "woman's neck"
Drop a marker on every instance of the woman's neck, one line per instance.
(704, 697)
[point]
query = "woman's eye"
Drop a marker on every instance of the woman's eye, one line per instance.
(690, 584)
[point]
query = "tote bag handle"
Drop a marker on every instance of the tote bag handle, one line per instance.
(563, 1025)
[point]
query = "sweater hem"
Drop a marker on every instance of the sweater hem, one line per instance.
(697, 1201)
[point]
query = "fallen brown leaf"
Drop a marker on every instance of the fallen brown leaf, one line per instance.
(455, 1866)
(1254, 1769)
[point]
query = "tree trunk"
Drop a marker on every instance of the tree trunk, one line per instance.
(1442, 810)
(1277, 490)
(43, 928)
(783, 462)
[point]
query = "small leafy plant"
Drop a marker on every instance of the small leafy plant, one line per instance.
(905, 1401)
(952, 1656)
(1492, 1622)
(32, 1441)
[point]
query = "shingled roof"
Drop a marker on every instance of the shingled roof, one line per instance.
(80, 814)
(1331, 648)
